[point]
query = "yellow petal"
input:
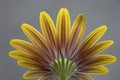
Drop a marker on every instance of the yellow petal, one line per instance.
(36, 38)
(95, 70)
(63, 28)
(100, 60)
(25, 57)
(48, 30)
(93, 37)
(80, 76)
(95, 49)
(33, 34)
(47, 78)
(19, 55)
(27, 48)
(32, 74)
(30, 64)
(77, 31)
(42, 78)
(22, 45)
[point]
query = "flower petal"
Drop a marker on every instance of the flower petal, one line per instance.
(36, 38)
(80, 76)
(77, 31)
(99, 60)
(94, 36)
(48, 30)
(32, 64)
(19, 55)
(63, 28)
(32, 74)
(95, 70)
(27, 48)
(25, 57)
(95, 49)
(47, 78)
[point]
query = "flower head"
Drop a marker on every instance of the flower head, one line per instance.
(58, 53)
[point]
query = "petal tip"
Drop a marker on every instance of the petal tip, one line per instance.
(82, 16)
(11, 42)
(24, 76)
(10, 54)
(111, 42)
(24, 25)
(114, 59)
(19, 63)
(104, 27)
(43, 13)
(106, 71)
(62, 9)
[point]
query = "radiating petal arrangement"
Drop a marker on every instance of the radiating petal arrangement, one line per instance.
(59, 53)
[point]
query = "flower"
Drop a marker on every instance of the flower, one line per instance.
(57, 54)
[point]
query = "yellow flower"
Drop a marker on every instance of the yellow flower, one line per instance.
(57, 54)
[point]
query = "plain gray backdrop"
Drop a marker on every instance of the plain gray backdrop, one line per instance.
(15, 12)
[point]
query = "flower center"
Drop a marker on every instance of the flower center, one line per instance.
(63, 68)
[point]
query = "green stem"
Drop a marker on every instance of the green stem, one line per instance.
(63, 78)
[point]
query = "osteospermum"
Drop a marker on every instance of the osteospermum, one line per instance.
(57, 53)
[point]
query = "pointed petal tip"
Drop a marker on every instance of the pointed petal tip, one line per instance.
(104, 27)
(113, 58)
(29, 75)
(24, 25)
(62, 10)
(43, 13)
(81, 16)
(110, 42)
(105, 70)
(24, 76)
(19, 63)
(12, 42)
(11, 54)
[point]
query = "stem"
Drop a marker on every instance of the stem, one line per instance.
(63, 78)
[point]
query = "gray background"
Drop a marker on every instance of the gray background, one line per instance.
(98, 12)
